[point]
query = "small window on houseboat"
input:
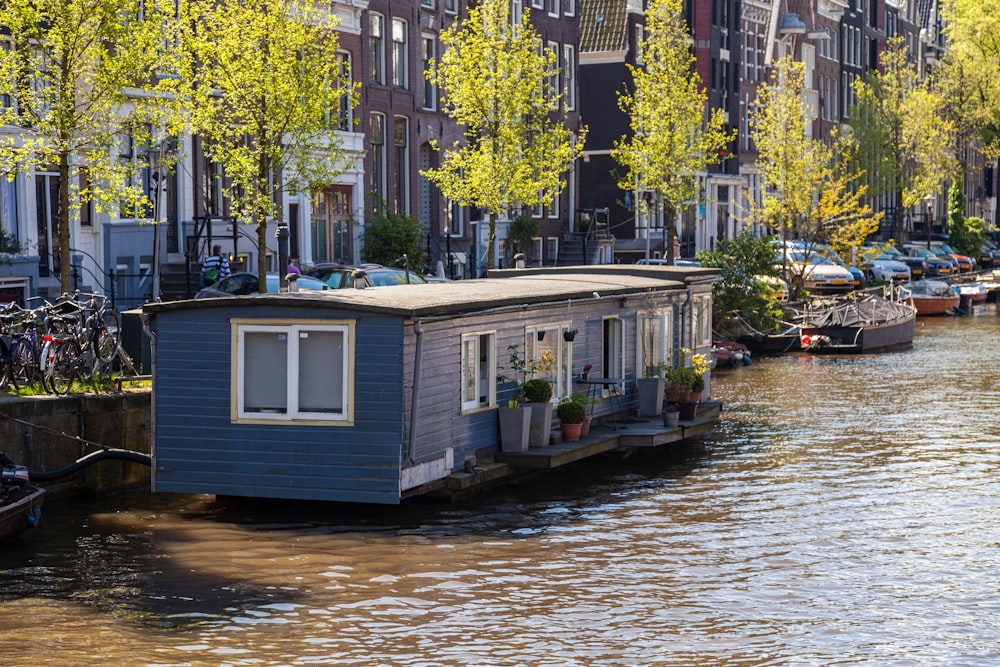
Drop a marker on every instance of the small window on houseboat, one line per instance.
(478, 371)
(293, 371)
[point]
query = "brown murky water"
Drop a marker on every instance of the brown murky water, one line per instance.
(845, 512)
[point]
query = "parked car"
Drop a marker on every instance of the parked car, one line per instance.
(936, 266)
(343, 276)
(240, 284)
(819, 273)
(989, 254)
(888, 268)
(918, 267)
(965, 263)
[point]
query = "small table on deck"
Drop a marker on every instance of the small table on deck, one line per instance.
(617, 407)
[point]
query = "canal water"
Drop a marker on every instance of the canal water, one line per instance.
(845, 512)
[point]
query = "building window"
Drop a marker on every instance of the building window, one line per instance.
(451, 6)
(376, 47)
(553, 205)
(454, 223)
(400, 72)
(552, 250)
(479, 371)
(536, 251)
(569, 7)
(538, 4)
(427, 3)
(701, 322)
(377, 139)
(8, 209)
(613, 350)
(345, 113)
(516, 9)
(400, 142)
(654, 347)
(552, 7)
(429, 57)
(288, 371)
(569, 76)
(552, 85)
(552, 355)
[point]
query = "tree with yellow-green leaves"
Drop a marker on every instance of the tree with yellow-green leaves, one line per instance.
(811, 194)
(674, 136)
(262, 83)
(903, 143)
(972, 64)
(67, 70)
(494, 82)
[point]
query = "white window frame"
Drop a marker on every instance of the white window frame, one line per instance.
(701, 321)
(562, 375)
(569, 76)
(552, 244)
(428, 45)
(537, 251)
(376, 46)
(294, 331)
(400, 53)
(569, 7)
(613, 351)
(484, 380)
(662, 350)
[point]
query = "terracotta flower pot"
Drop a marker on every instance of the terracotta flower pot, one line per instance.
(571, 432)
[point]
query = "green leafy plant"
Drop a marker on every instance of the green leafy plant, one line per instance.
(536, 390)
(571, 411)
(388, 236)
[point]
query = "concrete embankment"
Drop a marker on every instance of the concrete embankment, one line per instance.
(44, 433)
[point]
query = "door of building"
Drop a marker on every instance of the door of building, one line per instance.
(332, 227)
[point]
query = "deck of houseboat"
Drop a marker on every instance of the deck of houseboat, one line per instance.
(604, 437)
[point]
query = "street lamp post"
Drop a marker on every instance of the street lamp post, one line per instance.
(156, 184)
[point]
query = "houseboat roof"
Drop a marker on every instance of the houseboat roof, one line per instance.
(510, 287)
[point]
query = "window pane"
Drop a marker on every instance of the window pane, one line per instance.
(321, 371)
(469, 369)
(265, 369)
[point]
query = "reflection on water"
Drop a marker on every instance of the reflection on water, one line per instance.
(844, 512)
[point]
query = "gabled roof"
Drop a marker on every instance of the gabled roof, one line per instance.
(603, 26)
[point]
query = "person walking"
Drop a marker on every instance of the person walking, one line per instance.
(214, 268)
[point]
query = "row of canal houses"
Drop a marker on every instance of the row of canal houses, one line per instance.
(381, 394)
(388, 44)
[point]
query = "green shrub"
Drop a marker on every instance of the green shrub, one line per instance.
(571, 411)
(536, 391)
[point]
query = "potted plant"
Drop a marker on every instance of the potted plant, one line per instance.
(570, 334)
(515, 418)
(671, 414)
(571, 414)
(538, 394)
(650, 390)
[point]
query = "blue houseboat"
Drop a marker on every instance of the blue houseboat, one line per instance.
(375, 395)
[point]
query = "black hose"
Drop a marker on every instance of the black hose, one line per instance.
(89, 459)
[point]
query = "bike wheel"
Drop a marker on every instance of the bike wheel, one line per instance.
(62, 368)
(24, 365)
(109, 336)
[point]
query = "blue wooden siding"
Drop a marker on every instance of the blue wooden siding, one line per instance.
(198, 449)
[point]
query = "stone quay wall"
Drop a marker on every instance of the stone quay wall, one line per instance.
(34, 430)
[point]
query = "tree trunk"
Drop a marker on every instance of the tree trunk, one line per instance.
(65, 269)
(491, 238)
(260, 217)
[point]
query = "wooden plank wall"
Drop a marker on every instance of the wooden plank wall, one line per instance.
(198, 450)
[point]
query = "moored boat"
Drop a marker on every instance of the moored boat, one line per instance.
(972, 296)
(868, 324)
(20, 501)
(931, 297)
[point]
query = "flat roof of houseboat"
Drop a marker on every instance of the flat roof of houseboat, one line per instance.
(504, 288)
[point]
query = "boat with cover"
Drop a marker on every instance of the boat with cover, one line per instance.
(972, 296)
(870, 323)
(931, 297)
(20, 501)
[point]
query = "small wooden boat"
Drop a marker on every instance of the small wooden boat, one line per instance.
(972, 296)
(729, 354)
(931, 297)
(20, 509)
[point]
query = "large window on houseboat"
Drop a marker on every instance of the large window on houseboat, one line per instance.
(293, 371)
(701, 322)
(654, 347)
(479, 371)
(552, 355)
(613, 349)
